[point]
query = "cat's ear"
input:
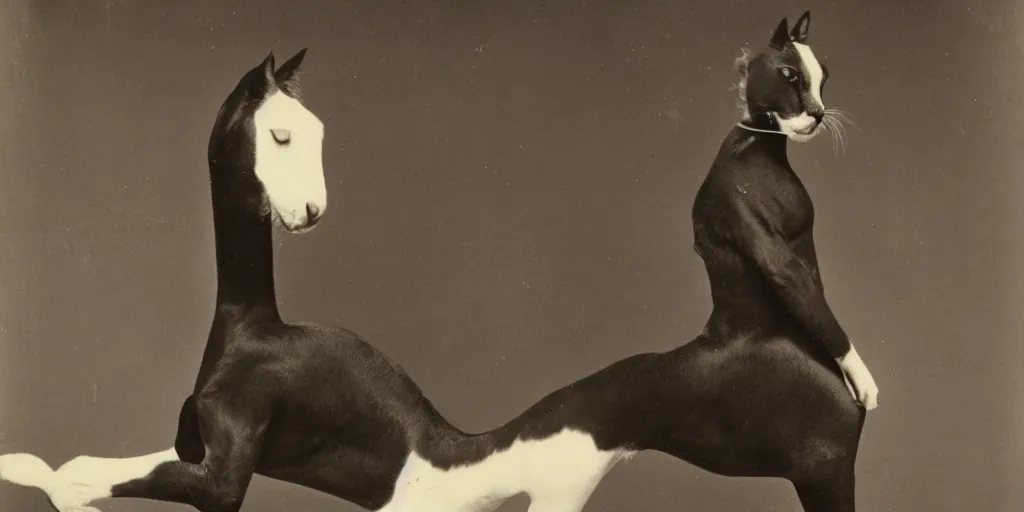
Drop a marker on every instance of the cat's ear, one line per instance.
(781, 36)
(268, 68)
(287, 76)
(799, 33)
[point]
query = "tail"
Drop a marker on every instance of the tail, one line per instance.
(26, 470)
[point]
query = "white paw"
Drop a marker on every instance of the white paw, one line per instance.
(865, 390)
(77, 484)
(25, 469)
(30, 471)
(75, 497)
(859, 379)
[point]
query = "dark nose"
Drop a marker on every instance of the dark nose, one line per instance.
(313, 213)
(818, 116)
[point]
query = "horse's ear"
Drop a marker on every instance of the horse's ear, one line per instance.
(287, 76)
(259, 81)
(781, 36)
(799, 33)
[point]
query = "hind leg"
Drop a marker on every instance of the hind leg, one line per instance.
(823, 473)
(832, 492)
(823, 465)
(777, 412)
(188, 443)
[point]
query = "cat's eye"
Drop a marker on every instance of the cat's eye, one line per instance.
(790, 74)
(281, 135)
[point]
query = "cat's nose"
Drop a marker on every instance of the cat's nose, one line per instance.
(818, 116)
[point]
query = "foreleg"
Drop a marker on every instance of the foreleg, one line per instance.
(81, 481)
(795, 282)
(232, 435)
(217, 484)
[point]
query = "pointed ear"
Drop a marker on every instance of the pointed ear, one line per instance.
(799, 33)
(781, 36)
(287, 75)
(268, 68)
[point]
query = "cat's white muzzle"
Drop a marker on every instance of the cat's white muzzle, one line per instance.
(801, 128)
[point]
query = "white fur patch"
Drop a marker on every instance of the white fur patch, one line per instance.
(289, 159)
(559, 474)
(812, 70)
(859, 379)
(81, 481)
(801, 128)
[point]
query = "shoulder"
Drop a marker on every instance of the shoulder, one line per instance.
(740, 188)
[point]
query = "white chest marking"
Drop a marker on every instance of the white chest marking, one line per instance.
(812, 70)
(564, 468)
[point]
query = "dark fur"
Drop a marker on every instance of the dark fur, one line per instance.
(758, 394)
(767, 90)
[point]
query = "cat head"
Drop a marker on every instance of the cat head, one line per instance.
(782, 86)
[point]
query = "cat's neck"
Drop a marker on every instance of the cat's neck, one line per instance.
(760, 121)
(763, 137)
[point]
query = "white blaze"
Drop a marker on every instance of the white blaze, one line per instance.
(292, 173)
(812, 70)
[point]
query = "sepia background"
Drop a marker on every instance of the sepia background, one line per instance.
(510, 186)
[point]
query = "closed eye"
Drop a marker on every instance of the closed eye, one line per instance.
(281, 135)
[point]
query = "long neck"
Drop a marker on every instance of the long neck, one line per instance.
(245, 258)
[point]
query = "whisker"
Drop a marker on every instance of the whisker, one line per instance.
(846, 135)
(837, 141)
(847, 120)
(837, 113)
(843, 137)
(832, 133)
(838, 119)
(837, 132)
(842, 115)
(839, 129)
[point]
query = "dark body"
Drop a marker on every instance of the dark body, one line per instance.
(320, 407)
(758, 393)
